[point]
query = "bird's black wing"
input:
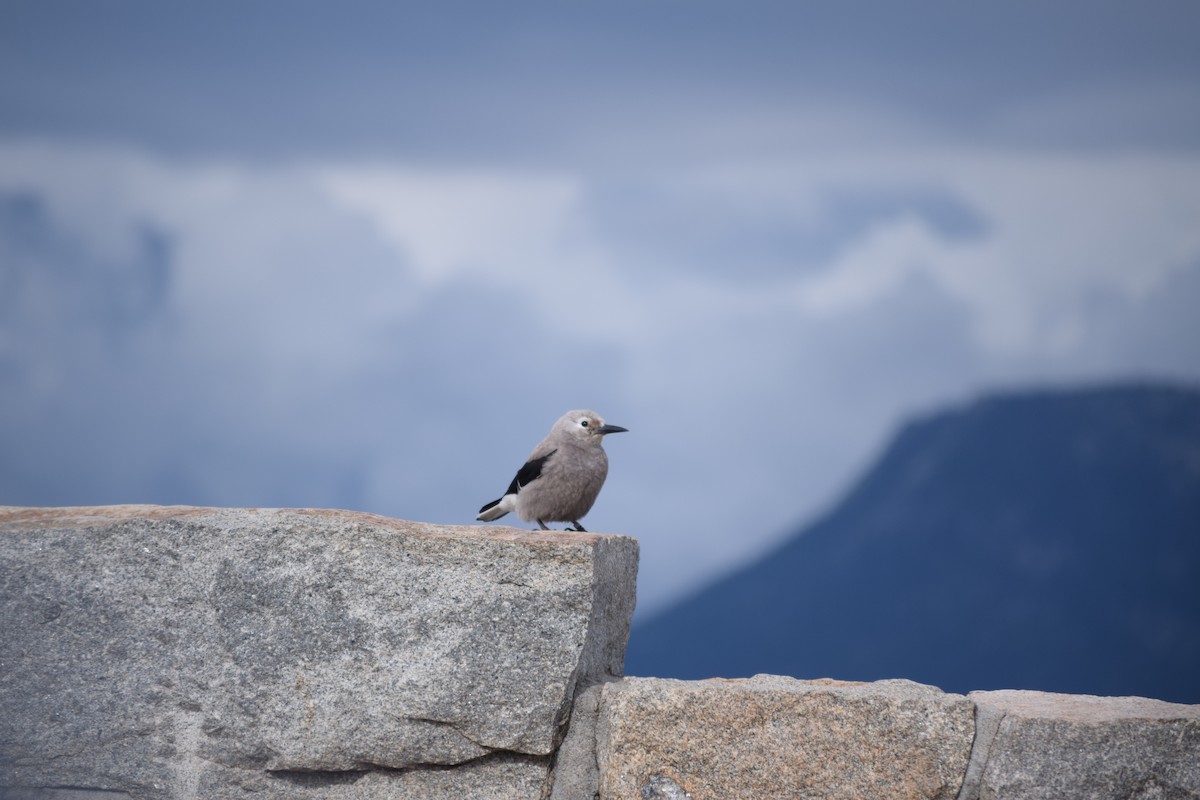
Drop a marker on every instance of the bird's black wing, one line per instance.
(528, 473)
(531, 471)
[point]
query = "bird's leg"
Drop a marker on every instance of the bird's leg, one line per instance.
(578, 528)
(542, 525)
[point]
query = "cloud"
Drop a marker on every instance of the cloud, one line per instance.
(1060, 230)
(576, 84)
(452, 221)
(395, 337)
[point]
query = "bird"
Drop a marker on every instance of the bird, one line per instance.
(563, 475)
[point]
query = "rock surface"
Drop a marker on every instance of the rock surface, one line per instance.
(576, 773)
(190, 653)
(172, 651)
(1034, 745)
(774, 737)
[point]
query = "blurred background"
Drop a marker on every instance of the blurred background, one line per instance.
(362, 255)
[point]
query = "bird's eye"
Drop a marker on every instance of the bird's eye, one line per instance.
(583, 423)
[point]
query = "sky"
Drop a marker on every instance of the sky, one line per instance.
(362, 255)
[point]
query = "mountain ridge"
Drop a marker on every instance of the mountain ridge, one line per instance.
(1041, 539)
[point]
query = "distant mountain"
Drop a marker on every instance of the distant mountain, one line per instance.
(1044, 540)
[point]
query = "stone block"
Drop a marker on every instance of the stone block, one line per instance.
(1035, 745)
(164, 652)
(775, 737)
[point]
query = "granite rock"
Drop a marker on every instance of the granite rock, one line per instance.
(1034, 745)
(775, 737)
(157, 651)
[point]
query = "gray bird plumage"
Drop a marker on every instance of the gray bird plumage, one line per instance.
(563, 475)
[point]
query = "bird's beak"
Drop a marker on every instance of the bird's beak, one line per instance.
(612, 429)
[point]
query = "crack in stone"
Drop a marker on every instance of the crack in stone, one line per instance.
(455, 727)
(987, 726)
(333, 777)
(575, 762)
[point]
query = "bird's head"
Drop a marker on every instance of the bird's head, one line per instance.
(587, 427)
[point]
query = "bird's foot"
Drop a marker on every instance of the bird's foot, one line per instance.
(578, 528)
(542, 525)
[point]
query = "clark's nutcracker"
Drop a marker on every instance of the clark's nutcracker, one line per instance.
(563, 475)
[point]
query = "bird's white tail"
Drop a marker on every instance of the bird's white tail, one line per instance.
(498, 508)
